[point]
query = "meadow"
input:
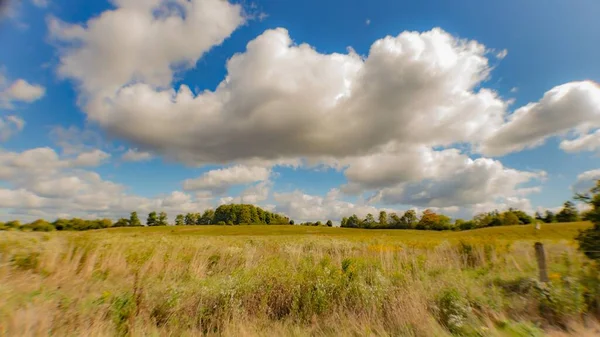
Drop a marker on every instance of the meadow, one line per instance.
(296, 281)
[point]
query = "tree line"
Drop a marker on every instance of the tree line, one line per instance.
(237, 214)
(431, 220)
(233, 214)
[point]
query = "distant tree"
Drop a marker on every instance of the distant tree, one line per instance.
(369, 221)
(179, 220)
(550, 217)
(189, 219)
(509, 218)
(568, 213)
(318, 223)
(122, 222)
(394, 221)
(589, 239)
(353, 221)
(16, 224)
(344, 222)
(428, 219)
(329, 223)
(464, 225)
(207, 217)
(291, 222)
(409, 219)
(63, 224)
(39, 225)
(383, 218)
(134, 220)
(245, 216)
(152, 219)
(524, 218)
(162, 219)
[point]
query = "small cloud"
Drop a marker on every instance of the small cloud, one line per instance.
(10, 126)
(40, 3)
(514, 90)
(368, 22)
(133, 155)
(502, 54)
(262, 16)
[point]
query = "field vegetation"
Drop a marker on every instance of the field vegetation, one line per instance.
(295, 280)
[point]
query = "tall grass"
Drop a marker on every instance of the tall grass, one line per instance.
(238, 281)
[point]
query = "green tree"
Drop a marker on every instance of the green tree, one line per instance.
(509, 218)
(589, 240)
(123, 222)
(190, 219)
(162, 219)
(344, 222)
(329, 223)
(16, 224)
(409, 219)
(383, 218)
(134, 220)
(152, 219)
(179, 220)
(207, 217)
(568, 213)
(353, 221)
(550, 217)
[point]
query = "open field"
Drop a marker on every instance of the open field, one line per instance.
(293, 280)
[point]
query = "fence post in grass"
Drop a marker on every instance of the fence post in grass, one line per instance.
(540, 255)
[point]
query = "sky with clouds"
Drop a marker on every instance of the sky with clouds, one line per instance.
(317, 110)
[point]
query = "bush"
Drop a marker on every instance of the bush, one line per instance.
(39, 226)
(453, 310)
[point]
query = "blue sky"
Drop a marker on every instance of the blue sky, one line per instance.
(420, 120)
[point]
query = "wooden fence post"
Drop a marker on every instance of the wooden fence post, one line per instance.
(540, 255)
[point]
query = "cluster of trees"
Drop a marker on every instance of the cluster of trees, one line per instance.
(568, 213)
(430, 220)
(329, 223)
(232, 214)
(74, 224)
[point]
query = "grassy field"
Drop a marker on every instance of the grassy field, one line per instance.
(295, 281)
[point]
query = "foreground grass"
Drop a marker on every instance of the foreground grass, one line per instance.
(292, 280)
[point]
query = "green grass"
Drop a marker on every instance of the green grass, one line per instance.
(558, 231)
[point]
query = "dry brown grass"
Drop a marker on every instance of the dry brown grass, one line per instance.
(106, 283)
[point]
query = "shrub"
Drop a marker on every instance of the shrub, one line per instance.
(453, 310)
(39, 226)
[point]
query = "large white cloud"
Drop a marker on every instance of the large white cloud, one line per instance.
(63, 187)
(573, 107)
(142, 41)
(282, 101)
(477, 181)
(423, 177)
